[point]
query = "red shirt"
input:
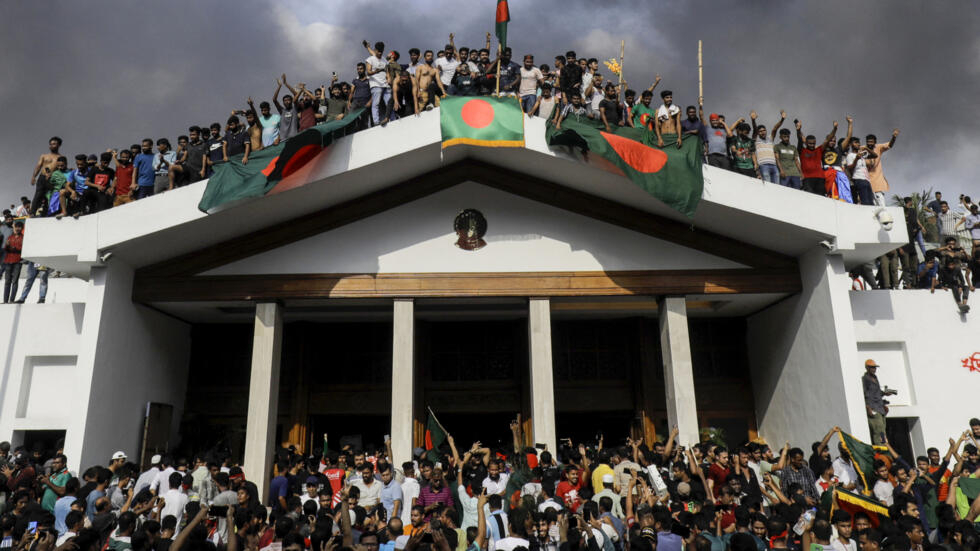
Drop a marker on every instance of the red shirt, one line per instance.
(12, 247)
(719, 474)
(124, 178)
(568, 493)
(811, 161)
(307, 117)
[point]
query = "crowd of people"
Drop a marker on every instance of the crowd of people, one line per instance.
(631, 496)
(953, 265)
(574, 87)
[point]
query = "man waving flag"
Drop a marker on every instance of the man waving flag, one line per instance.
(503, 17)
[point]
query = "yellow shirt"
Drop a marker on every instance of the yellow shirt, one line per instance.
(597, 474)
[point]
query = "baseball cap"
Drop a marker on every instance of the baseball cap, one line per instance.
(155, 459)
(119, 455)
(870, 363)
(312, 480)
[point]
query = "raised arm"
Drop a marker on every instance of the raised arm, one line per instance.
(891, 142)
(451, 43)
(181, 540)
(671, 441)
(783, 456)
(755, 129)
(275, 96)
(481, 520)
(288, 87)
(370, 49)
(776, 127)
(488, 40)
(826, 439)
(656, 81)
(348, 535)
(830, 137)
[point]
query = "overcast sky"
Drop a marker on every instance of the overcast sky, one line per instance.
(105, 73)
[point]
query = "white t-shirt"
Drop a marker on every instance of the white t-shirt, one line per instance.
(146, 479)
(447, 68)
(971, 221)
(860, 167)
(884, 491)
(410, 491)
(174, 503)
(495, 487)
(844, 472)
(161, 484)
(379, 79)
(370, 495)
(586, 80)
(509, 543)
(838, 546)
(529, 81)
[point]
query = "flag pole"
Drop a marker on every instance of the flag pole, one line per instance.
(622, 53)
(498, 71)
(436, 419)
(700, 73)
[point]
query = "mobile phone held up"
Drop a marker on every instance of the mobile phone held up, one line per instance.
(218, 511)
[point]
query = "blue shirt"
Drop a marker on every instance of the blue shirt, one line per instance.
(391, 492)
(90, 503)
(61, 509)
(277, 489)
(144, 169)
(77, 177)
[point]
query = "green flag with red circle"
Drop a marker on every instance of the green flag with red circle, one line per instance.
(485, 121)
(670, 173)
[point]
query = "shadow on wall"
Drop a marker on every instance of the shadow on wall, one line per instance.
(872, 306)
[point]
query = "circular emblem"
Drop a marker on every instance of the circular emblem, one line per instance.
(470, 227)
(829, 158)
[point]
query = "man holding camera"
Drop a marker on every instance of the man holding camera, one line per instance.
(874, 402)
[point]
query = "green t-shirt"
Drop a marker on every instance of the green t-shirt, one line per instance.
(638, 111)
(744, 147)
(60, 479)
(786, 156)
(57, 181)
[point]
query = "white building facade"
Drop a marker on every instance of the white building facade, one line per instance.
(241, 315)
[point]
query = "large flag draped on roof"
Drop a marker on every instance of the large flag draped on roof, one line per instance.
(486, 121)
(670, 174)
(503, 17)
(863, 459)
(233, 180)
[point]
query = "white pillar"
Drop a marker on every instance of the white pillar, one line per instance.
(263, 395)
(402, 380)
(542, 381)
(675, 344)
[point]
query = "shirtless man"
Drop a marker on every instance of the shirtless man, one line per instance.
(42, 170)
(254, 131)
(428, 82)
(668, 119)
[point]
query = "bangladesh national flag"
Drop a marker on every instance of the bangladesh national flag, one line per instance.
(486, 121)
(671, 174)
(234, 181)
(854, 503)
(435, 435)
(863, 459)
(503, 17)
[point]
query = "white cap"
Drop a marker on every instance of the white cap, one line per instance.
(119, 455)
(607, 479)
(156, 459)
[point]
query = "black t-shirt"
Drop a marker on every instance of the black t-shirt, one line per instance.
(613, 111)
(236, 142)
(509, 73)
(215, 149)
(571, 74)
(362, 92)
(465, 85)
(102, 176)
(195, 155)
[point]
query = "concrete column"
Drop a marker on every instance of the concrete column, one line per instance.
(542, 381)
(402, 380)
(675, 345)
(263, 395)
